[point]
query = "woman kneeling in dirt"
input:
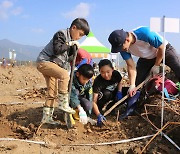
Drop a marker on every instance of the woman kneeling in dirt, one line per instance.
(107, 87)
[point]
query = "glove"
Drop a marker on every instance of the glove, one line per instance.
(119, 95)
(82, 116)
(75, 69)
(100, 120)
(71, 43)
(91, 121)
(155, 70)
(132, 90)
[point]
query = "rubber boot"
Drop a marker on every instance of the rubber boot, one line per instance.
(131, 105)
(69, 120)
(64, 104)
(72, 119)
(47, 116)
(76, 115)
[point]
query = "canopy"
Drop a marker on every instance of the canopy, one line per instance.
(93, 46)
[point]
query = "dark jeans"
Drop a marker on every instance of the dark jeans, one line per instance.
(106, 96)
(144, 65)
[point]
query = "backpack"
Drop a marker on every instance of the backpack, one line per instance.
(154, 86)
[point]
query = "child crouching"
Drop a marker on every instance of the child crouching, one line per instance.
(81, 92)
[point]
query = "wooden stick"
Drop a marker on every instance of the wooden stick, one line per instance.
(67, 118)
(75, 51)
(116, 104)
(39, 128)
(154, 137)
(160, 130)
(117, 116)
(125, 97)
(172, 108)
(169, 99)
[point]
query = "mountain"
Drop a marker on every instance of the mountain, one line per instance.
(23, 52)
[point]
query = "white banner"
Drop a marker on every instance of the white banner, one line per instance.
(165, 25)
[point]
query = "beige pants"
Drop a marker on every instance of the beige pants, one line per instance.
(57, 80)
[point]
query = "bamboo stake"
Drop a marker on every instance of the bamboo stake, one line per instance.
(160, 130)
(169, 99)
(125, 97)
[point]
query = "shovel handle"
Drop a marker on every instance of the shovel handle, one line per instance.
(125, 97)
(72, 69)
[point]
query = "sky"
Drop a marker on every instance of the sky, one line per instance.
(34, 22)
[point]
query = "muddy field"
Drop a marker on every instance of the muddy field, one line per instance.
(22, 94)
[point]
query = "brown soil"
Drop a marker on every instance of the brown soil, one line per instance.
(22, 95)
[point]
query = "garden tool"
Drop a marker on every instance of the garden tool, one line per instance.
(68, 117)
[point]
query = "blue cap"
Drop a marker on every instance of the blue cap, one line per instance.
(117, 38)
